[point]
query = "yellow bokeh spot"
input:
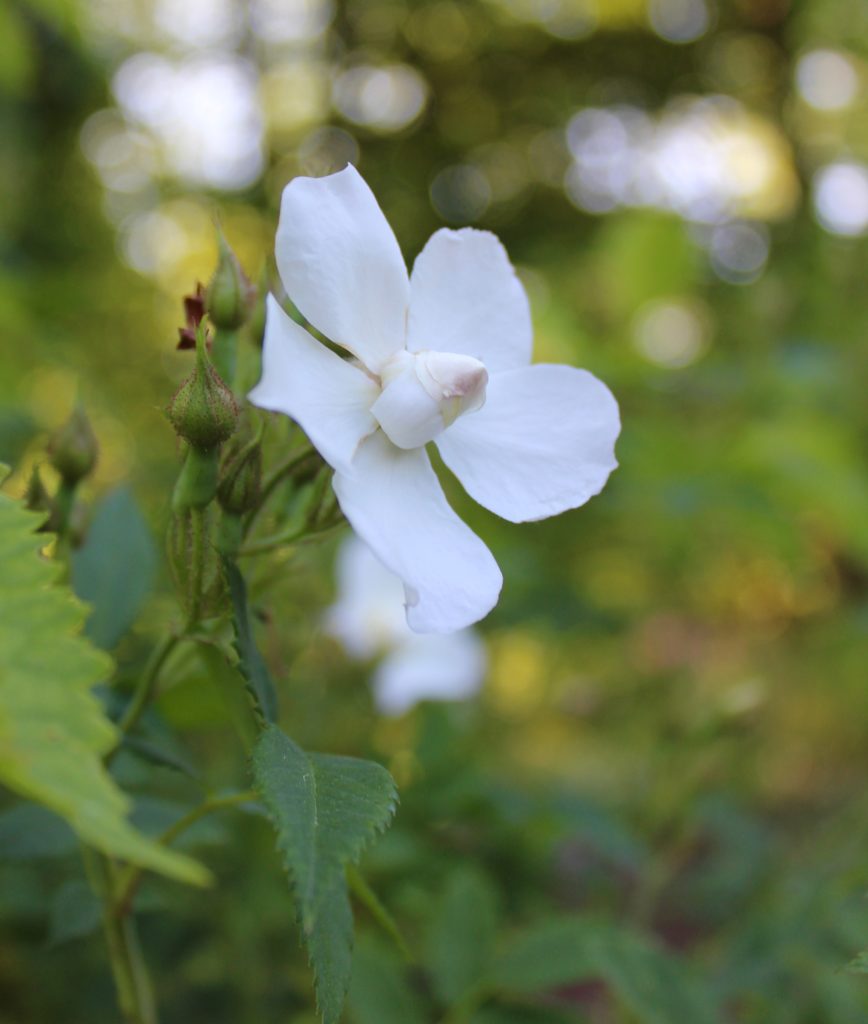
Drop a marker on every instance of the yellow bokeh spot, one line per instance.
(294, 95)
(517, 680)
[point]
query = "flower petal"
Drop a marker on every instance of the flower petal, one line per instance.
(432, 667)
(368, 615)
(328, 396)
(542, 443)
(465, 298)
(340, 264)
(395, 503)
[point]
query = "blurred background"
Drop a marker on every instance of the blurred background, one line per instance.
(673, 731)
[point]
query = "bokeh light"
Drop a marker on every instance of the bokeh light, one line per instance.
(679, 21)
(202, 111)
(841, 198)
(708, 159)
(384, 98)
(671, 332)
(827, 79)
(460, 194)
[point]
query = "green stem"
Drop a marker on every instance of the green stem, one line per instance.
(284, 470)
(135, 998)
(197, 567)
(366, 895)
(64, 501)
(131, 878)
(144, 690)
(280, 540)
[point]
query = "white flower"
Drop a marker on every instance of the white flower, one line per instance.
(441, 355)
(368, 619)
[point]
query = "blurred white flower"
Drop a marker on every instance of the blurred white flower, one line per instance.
(443, 355)
(368, 619)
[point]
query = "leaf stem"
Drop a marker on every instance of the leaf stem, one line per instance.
(366, 896)
(130, 879)
(279, 540)
(284, 470)
(144, 690)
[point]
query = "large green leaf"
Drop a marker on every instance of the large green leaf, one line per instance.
(653, 984)
(325, 810)
(53, 732)
(114, 571)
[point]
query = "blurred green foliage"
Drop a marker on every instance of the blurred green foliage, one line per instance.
(669, 754)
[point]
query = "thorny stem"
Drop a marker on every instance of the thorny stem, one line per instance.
(131, 878)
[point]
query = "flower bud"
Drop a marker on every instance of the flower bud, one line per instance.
(203, 410)
(37, 499)
(229, 292)
(73, 449)
(240, 477)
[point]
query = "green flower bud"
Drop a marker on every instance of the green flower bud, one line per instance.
(203, 410)
(37, 499)
(240, 478)
(73, 449)
(229, 293)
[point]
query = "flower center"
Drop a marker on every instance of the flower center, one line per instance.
(424, 392)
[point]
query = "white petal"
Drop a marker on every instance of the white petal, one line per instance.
(340, 264)
(407, 412)
(395, 503)
(328, 396)
(466, 298)
(543, 442)
(368, 615)
(432, 667)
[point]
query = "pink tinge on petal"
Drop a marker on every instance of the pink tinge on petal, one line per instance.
(544, 442)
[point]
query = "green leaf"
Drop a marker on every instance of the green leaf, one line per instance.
(75, 912)
(114, 571)
(53, 732)
(859, 964)
(162, 757)
(250, 662)
(652, 984)
(525, 1015)
(461, 937)
(379, 990)
(29, 831)
(325, 809)
(555, 953)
